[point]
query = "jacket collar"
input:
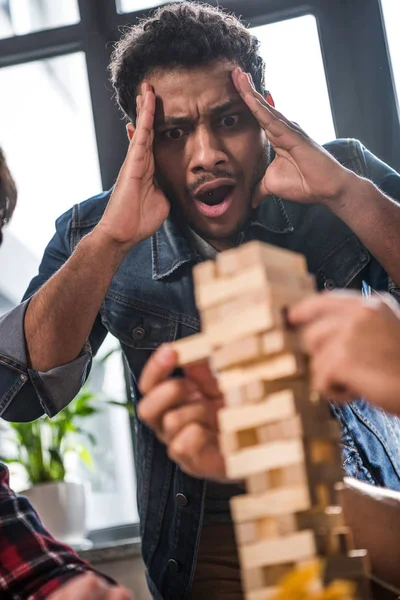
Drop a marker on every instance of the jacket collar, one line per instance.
(171, 248)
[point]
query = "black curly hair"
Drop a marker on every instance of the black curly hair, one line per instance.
(182, 34)
(8, 193)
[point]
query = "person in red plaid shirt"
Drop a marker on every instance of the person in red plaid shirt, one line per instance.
(33, 565)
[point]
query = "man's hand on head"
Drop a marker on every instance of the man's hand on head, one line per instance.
(302, 170)
(137, 207)
(182, 412)
(90, 587)
(354, 346)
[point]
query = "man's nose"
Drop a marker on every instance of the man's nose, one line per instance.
(207, 151)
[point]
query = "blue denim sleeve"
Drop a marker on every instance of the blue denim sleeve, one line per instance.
(26, 394)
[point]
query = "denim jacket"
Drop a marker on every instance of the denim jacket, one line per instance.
(151, 301)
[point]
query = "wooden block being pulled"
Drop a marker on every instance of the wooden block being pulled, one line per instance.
(284, 366)
(291, 548)
(247, 255)
(275, 502)
(192, 349)
(264, 457)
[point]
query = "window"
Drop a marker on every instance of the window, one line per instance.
(391, 13)
(124, 6)
(47, 133)
(18, 17)
(296, 79)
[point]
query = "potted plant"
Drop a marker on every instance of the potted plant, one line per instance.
(41, 447)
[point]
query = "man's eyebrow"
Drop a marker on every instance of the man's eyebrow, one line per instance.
(186, 120)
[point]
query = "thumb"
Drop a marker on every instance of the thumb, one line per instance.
(260, 194)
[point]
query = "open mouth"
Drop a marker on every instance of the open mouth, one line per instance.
(215, 202)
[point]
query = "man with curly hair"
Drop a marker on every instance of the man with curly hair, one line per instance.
(211, 164)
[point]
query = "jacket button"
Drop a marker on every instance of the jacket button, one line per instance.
(329, 284)
(173, 566)
(138, 333)
(181, 500)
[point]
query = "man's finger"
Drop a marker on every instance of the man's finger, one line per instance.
(318, 305)
(319, 332)
(204, 378)
(159, 366)
(196, 451)
(203, 413)
(120, 593)
(164, 397)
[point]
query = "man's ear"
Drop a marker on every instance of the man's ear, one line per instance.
(269, 98)
(130, 130)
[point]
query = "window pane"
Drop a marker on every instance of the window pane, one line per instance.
(18, 17)
(297, 79)
(124, 6)
(391, 13)
(47, 133)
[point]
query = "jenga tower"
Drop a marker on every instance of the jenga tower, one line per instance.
(275, 435)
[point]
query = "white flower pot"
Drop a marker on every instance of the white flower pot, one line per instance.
(61, 507)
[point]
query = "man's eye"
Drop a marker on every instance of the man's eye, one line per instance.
(230, 121)
(174, 134)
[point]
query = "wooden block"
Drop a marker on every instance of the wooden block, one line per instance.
(321, 520)
(334, 541)
(253, 319)
(233, 441)
(291, 548)
(245, 256)
(280, 340)
(292, 475)
(255, 347)
(283, 430)
(281, 405)
(246, 533)
(208, 317)
(273, 503)
(235, 397)
(327, 430)
(320, 451)
(270, 593)
(274, 287)
(263, 458)
(204, 272)
(192, 349)
(265, 528)
(284, 366)
(352, 566)
(239, 351)
(260, 578)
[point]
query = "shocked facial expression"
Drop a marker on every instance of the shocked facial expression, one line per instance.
(209, 150)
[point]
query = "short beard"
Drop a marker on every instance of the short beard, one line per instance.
(258, 173)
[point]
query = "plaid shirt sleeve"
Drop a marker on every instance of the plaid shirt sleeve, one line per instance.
(32, 563)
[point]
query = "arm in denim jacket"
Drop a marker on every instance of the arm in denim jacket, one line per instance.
(25, 394)
(370, 207)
